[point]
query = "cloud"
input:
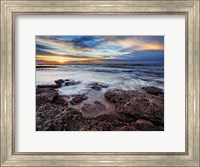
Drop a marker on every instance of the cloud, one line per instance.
(99, 48)
(86, 42)
(66, 59)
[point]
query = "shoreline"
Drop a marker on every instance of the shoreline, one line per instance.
(114, 110)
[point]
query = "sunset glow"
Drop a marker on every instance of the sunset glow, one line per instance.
(99, 49)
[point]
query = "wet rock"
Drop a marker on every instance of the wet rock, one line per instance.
(70, 120)
(42, 90)
(134, 111)
(144, 122)
(161, 95)
(62, 100)
(145, 125)
(137, 104)
(97, 86)
(59, 82)
(45, 97)
(69, 82)
(153, 90)
(78, 99)
(48, 86)
(108, 122)
(93, 108)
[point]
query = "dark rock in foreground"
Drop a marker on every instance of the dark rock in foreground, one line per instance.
(137, 104)
(61, 99)
(45, 95)
(135, 111)
(142, 124)
(153, 90)
(78, 99)
(93, 108)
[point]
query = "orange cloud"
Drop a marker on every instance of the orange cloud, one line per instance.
(64, 59)
(152, 46)
(138, 44)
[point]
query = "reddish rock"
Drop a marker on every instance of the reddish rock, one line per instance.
(62, 100)
(134, 111)
(42, 90)
(93, 108)
(45, 97)
(78, 99)
(137, 104)
(70, 120)
(153, 90)
(146, 125)
(97, 86)
(143, 121)
(49, 86)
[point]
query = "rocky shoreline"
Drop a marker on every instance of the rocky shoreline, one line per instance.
(141, 110)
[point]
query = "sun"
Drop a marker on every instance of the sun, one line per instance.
(60, 59)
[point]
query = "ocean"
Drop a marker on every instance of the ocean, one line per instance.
(121, 76)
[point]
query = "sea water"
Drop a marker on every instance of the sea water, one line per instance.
(120, 76)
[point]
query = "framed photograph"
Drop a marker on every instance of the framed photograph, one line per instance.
(100, 83)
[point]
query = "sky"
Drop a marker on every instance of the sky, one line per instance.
(99, 49)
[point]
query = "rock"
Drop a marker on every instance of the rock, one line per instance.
(137, 104)
(145, 122)
(69, 82)
(97, 86)
(42, 90)
(92, 108)
(78, 99)
(48, 86)
(134, 111)
(153, 90)
(62, 100)
(71, 120)
(59, 82)
(108, 122)
(146, 125)
(161, 95)
(45, 97)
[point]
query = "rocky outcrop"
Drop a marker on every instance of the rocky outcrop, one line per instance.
(135, 111)
(154, 91)
(49, 95)
(61, 99)
(69, 82)
(45, 95)
(59, 82)
(97, 86)
(144, 125)
(69, 120)
(93, 108)
(49, 86)
(78, 99)
(137, 104)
